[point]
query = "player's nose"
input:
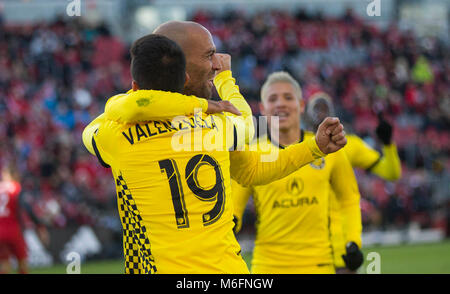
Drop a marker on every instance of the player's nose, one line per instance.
(215, 63)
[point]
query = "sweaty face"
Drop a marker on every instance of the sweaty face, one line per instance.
(201, 64)
(281, 100)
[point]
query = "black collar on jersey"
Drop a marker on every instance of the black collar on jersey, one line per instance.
(302, 135)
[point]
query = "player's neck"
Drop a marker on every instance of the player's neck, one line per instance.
(289, 136)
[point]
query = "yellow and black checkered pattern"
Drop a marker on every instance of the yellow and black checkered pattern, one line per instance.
(136, 245)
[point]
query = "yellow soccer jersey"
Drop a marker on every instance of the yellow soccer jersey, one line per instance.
(175, 205)
(293, 213)
(361, 155)
(171, 203)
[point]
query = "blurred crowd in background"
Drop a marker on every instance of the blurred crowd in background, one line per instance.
(55, 78)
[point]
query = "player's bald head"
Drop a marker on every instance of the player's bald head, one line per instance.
(199, 49)
(184, 33)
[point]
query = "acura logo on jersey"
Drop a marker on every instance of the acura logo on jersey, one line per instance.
(295, 202)
(295, 186)
(318, 163)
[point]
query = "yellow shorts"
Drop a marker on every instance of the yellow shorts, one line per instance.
(316, 269)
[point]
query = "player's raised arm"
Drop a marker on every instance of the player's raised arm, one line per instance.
(229, 91)
(385, 165)
(248, 168)
(388, 166)
(227, 88)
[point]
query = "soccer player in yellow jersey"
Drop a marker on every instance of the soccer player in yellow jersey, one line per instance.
(292, 227)
(361, 155)
(175, 205)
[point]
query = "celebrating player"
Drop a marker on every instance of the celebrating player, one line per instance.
(385, 165)
(292, 213)
(175, 205)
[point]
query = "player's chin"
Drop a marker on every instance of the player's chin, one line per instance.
(207, 90)
(285, 123)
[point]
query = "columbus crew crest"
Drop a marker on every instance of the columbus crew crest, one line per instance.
(318, 163)
(295, 186)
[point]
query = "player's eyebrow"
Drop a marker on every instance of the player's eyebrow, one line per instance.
(211, 51)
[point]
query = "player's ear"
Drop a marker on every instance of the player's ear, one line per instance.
(302, 106)
(187, 79)
(262, 110)
(134, 85)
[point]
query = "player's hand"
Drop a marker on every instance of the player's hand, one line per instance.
(221, 106)
(384, 130)
(330, 135)
(354, 257)
(225, 62)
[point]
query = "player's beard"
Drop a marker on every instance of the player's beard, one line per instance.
(202, 90)
(199, 84)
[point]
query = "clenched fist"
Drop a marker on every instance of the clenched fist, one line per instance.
(225, 61)
(330, 135)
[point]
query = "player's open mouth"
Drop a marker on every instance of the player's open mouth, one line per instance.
(211, 82)
(282, 115)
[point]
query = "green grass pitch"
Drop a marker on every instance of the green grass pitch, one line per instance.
(405, 259)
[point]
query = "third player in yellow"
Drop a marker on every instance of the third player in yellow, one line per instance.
(292, 227)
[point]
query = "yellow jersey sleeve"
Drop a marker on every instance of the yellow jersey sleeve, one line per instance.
(360, 154)
(145, 105)
(389, 166)
(89, 131)
(240, 197)
(345, 187)
(257, 168)
(90, 139)
(228, 90)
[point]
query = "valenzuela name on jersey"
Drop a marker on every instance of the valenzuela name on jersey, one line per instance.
(150, 129)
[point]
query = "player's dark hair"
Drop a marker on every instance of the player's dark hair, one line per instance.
(158, 63)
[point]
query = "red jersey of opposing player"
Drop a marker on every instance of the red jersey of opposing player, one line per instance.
(11, 238)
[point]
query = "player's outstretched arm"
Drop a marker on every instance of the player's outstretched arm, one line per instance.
(256, 168)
